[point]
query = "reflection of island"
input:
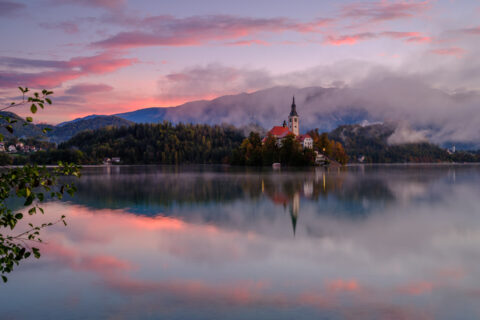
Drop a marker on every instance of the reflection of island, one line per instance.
(289, 192)
(210, 194)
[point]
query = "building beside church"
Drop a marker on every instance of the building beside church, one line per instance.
(293, 127)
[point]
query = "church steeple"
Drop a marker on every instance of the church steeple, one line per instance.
(293, 111)
(293, 119)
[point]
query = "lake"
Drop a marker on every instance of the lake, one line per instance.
(205, 242)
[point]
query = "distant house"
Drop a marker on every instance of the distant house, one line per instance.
(11, 148)
(20, 146)
(306, 141)
(115, 160)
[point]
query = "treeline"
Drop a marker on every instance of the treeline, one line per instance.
(253, 153)
(369, 144)
(329, 147)
(162, 143)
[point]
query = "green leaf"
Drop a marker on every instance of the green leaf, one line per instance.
(29, 200)
(5, 279)
(18, 216)
(29, 119)
(33, 108)
(36, 252)
(9, 128)
(48, 100)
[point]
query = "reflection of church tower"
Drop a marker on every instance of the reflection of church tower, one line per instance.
(293, 121)
(294, 208)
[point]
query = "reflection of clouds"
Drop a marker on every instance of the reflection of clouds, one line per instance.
(411, 259)
(408, 190)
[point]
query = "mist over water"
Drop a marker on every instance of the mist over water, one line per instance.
(203, 242)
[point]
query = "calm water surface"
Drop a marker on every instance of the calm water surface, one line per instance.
(381, 242)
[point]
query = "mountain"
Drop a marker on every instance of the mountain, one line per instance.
(264, 108)
(430, 114)
(445, 118)
(67, 130)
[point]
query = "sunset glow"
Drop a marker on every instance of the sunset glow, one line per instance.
(107, 57)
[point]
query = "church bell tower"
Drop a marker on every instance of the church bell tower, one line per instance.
(293, 121)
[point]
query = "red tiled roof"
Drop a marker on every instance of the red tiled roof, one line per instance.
(303, 137)
(279, 131)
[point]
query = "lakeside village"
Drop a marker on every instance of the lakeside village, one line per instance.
(18, 147)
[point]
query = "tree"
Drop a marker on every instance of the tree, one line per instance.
(270, 151)
(33, 184)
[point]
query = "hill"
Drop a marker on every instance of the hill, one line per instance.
(161, 143)
(60, 132)
(67, 130)
(372, 143)
(21, 128)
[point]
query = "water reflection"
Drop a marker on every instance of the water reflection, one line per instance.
(200, 243)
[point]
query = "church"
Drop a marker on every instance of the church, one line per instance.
(280, 132)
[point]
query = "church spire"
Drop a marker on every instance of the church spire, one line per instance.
(293, 111)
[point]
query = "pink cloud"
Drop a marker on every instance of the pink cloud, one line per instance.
(248, 43)
(88, 88)
(470, 31)
(58, 71)
(197, 30)
(8, 8)
(106, 4)
(417, 288)
(65, 26)
(340, 285)
(354, 38)
(84, 262)
(454, 51)
(384, 10)
(419, 39)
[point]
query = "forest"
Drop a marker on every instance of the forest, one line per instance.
(162, 143)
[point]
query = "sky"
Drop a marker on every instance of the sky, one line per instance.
(112, 56)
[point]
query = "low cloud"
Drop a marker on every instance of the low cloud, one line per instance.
(328, 99)
(404, 134)
(211, 81)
